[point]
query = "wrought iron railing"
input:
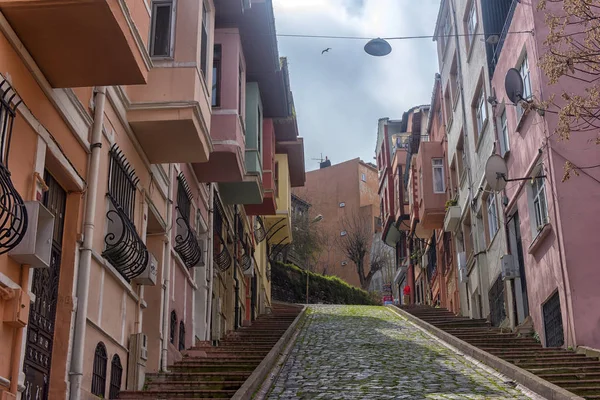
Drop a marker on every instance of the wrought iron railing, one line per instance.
(260, 233)
(221, 257)
(13, 215)
(186, 241)
(125, 250)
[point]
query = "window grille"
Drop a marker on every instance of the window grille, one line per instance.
(181, 336)
(173, 327)
(99, 371)
(116, 373)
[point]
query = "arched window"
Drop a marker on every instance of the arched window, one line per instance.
(116, 372)
(173, 326)
(99, 371)
(181, 336)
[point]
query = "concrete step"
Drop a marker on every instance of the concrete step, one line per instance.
(177, 394)
(197, 385)
(199, 376)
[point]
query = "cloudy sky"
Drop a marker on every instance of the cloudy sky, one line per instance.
(339, 96)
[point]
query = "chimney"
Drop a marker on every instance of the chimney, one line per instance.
(326, 163)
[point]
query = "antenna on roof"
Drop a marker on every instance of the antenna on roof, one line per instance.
(319, 159)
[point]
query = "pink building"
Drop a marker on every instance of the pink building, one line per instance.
(550, 223)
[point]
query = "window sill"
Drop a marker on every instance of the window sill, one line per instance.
(539, 239)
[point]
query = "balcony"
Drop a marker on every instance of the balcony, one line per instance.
(250, 189)
(79, 43)
(226, 162)
(278, 226)
(431, 167)
(170, 116)
(269, 204)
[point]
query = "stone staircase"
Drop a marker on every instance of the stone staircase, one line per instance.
(565, 368)
(217, 372)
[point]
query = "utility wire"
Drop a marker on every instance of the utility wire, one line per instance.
(306, 36)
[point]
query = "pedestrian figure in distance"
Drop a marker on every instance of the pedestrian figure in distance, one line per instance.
(406, 294)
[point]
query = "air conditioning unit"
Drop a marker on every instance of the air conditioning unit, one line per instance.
(136, 364)
(462, 267)
(35, 247)
(510, 268)
(148, 277)
(16, 308)
(452, 219)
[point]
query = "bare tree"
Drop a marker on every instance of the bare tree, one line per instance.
(356, 242)
(573, 55)
(307, 244)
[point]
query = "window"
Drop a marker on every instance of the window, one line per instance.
(216, 78)
(204, 41)
(446, 31)
(503, 134)
(116, 374)
(363, 177)
(448, 107)
(481, 113)
(527, 94)
(540, 207)
(492, 216)
(173, 327)
(161, 28)
(471, 23)
(181, 336)
(439, 185)
(99, 370)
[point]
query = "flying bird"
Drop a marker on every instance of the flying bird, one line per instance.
(326, 50)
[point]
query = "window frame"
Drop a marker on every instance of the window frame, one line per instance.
(151, 43)
(471, 27)
(525, 73)
(215, 93)
(493, 223)
(481, 113)
(363, 177)
(503, 133)
(99, 370)
(539, 201)
(204, 40)
(434, 167)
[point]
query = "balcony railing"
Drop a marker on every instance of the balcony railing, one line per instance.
(186, 242)
(125, 250)
(260, 233)
(505, 28)
(222, 256)
(13, 215)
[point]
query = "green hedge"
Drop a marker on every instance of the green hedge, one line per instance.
(289, 285)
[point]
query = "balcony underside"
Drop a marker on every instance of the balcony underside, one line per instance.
(268, 206)
(249, 191)
(278, 228)
(171, 134)
(433, 218)
(225, 164)
(79, 43)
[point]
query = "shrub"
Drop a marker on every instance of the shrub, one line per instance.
(289, 285)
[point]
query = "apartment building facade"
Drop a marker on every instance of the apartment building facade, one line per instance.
(549, 247)
(132, 233)
(342, 193)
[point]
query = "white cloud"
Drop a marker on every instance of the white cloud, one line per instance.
(340, 95)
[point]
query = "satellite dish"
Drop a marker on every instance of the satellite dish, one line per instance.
(513, 84)
(496, 172)
(378, 47)
(492, 39)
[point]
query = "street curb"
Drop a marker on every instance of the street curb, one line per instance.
(259, 374)
(519, 375)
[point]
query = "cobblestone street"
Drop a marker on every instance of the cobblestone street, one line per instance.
(361, 352)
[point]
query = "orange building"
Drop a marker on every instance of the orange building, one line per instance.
(338, 192)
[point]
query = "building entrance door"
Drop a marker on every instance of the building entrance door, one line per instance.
(40, 329)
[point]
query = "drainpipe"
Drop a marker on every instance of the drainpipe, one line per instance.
(85, 261)
(235, 278)
(167, 274)
(209, 261)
